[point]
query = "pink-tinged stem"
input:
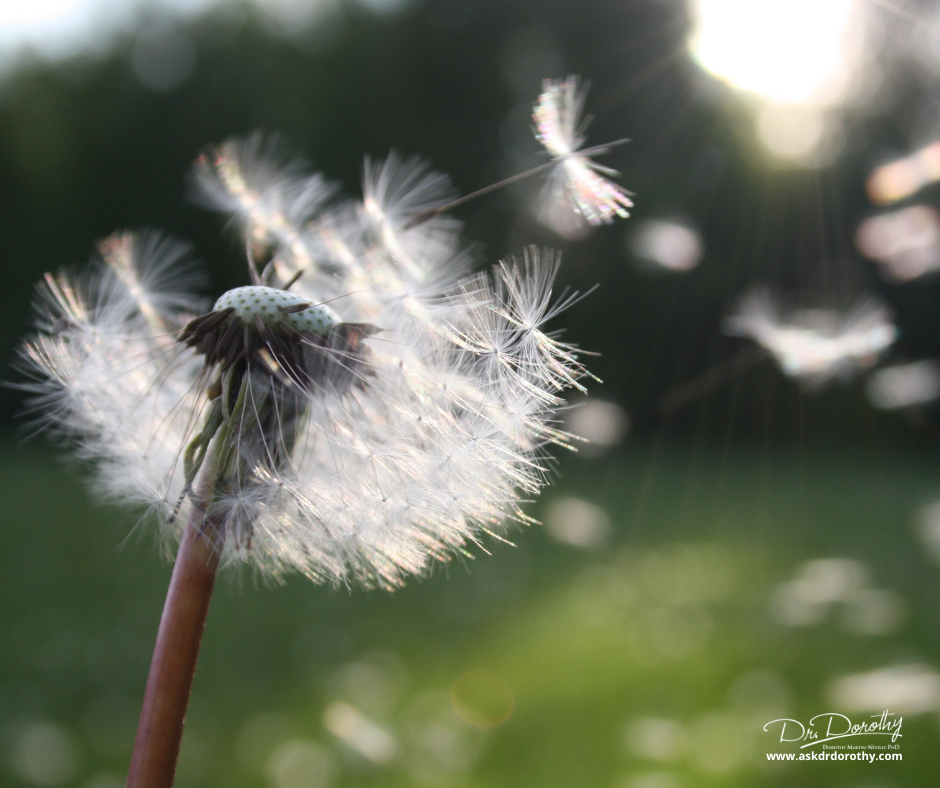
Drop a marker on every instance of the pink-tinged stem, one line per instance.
(156, 749)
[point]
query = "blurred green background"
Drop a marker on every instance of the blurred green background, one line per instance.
(761, 550)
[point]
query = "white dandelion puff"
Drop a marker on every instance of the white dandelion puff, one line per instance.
(354, 440)
(815, 345)
(362, 409)
(575, 178)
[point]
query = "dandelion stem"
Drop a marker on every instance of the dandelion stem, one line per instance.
(156, 749)
(424, 216)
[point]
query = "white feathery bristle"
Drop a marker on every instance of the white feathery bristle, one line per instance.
(815, 345)
(393, 192)
(107, 369)
(266, 188)
(575, 178)
(401, 431)
(158, 272)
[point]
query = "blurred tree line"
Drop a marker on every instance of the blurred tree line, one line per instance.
(86, 147)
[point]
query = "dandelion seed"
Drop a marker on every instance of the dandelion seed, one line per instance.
(575, 194)
(575, 178)
(394, 191)
(815, 345)
(266, 190)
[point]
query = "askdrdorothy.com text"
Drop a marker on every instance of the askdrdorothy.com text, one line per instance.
(867, 757)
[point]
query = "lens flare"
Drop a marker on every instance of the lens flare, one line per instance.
(906, 242)
(791, 52)
(901, 178)
(798, 58)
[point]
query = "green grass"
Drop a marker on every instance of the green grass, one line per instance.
(669, 621)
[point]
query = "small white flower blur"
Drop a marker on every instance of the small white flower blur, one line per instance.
(574, 179)
(424, 431)
(815, 345)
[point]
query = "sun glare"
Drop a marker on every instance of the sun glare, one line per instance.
(795, 56)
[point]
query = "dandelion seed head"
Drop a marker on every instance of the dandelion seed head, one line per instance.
(575, 178)
(364, 408)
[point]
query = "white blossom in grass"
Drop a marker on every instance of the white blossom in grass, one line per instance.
(360, 410)
(575, 179)
(815, 345)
